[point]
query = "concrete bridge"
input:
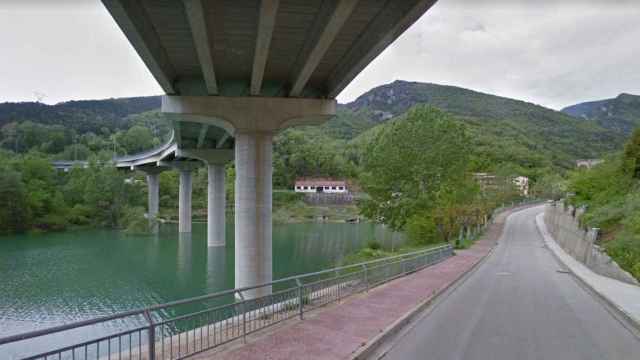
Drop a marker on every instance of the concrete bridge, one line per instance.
(185, 154)
(237, 72)
(66, 165)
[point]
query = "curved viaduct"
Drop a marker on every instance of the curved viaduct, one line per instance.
(236, 72)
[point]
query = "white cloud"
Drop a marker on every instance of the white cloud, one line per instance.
(554, 53)
(551, 52)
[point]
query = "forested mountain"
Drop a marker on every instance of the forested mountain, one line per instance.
(81, 116)
(620, 114)
(503, 136)
(504, 130)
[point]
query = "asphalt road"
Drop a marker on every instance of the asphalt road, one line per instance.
(517, 305)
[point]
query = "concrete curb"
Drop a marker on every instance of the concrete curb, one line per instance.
(619, 313)
(370, 348)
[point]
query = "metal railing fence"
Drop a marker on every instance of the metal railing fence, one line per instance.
(162, 332)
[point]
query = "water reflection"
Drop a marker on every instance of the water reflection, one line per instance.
(58, 278)
(184, 258)
(216, 267)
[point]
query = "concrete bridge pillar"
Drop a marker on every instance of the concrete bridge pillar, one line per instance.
(216, 205)
(184, 201)
(153, 193)
(185, 169)
(153, 186)
(253, 199)
(216, 194)
(252, 121)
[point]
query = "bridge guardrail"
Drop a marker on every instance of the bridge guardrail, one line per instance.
(156, 332)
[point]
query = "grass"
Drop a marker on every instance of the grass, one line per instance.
(370, 254)
(300, 212)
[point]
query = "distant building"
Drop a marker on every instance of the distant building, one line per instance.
(491, 182)
(321, 186)
(65, 165)
(522, 183)
(588, 163)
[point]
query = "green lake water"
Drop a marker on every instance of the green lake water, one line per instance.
(58, 278)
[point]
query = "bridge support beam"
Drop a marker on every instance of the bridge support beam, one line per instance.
(216, 194)
(216, 205)
(253, 121)
(153, 194)
(185, 169)
(153, 186)
(253, 203)
(184, 201)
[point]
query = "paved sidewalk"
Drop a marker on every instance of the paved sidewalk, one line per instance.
(625, 297)
(339, 330)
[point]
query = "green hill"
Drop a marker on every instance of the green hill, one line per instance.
(82, 116)
(621, 114)
(505, 131)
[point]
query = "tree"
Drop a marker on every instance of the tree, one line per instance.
(632, 155)
(14, 210)
(136, 139)
(413, 165)
(107, 194)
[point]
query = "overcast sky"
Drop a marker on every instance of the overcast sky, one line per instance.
(551, 52)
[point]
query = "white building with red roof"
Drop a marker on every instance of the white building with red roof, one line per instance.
(321, 186)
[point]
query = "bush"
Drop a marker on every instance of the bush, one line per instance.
(422, 230)
(80, 215)
(135, 222)
(374, 245)
(283, 198)
(625, 250)
(52, 222)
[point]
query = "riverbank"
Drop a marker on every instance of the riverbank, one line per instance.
(288, 208)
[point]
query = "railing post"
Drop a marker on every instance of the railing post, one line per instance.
(244, 316)
(366, 277)
(300, 300)
(151, 336)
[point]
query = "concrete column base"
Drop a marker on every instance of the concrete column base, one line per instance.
(153, 186)
(216, 205)
(253, 262)
(184, 202)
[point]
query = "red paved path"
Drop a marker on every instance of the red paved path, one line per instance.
(339, 330)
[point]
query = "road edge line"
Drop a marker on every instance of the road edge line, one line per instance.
(619, 313)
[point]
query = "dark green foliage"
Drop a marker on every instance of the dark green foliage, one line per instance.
(416, 173)
(421, 229)
(14, 210)
(307, 153)
(34, 196)
(374, 245)
(621, 114)
(410, 162)
(632, 155)
(611, 194)
(95, 124)
(502, 131)
(80, 116)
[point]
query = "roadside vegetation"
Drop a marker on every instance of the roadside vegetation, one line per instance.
(34, 196)
(415, 171)
(374, 251)
(611, 194)
(417, 174)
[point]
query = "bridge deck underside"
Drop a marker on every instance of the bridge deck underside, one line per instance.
(308, 48)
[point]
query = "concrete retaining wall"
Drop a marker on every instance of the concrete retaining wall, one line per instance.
(328, 199)
(581, 243)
